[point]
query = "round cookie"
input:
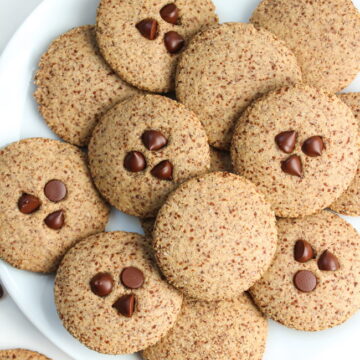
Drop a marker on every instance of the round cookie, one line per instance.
(313, 281)
(143, 149)
(225, 68)
(214, 236)
(349, 202)
(323, 34)
(108, 284)
(75, 85)
(222, 330)
(141, 40)
(299, 145)
(48, 202)
(21, 354)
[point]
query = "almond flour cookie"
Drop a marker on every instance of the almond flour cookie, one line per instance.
(141, 39)
(20, 354)
(299, 145)
(226, 67)
(214, 236)
(47, 202)
(324, 35)
(75, 86)
(313, 282)
(143, 149)
(222, 330)
(109, 285)
(349, 202)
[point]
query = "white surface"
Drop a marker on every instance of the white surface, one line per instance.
(19, 118)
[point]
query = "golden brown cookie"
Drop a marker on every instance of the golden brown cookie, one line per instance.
(21, 354)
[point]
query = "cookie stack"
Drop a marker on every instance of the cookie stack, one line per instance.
(232, 176)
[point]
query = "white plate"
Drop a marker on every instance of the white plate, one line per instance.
(19, 119)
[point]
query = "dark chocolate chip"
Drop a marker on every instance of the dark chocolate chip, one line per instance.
(328, 261)
(55, 190)
(305, 281)
(286, 141)
(134, 161)
(102, 284)
(170, 13)
(154, 140)
(55, 220)
(125, 305)
(163, 170)
(292, 166)
(313, 146)
(28, 204)
(148, 28)
(132, 277)
(303, 251)
(174, 42)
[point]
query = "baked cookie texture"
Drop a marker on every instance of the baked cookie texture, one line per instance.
(336, 296)
(323, 34)
(225, 68)
(75, 86)
(41, 218)
(222, 330)
(138, 184)
(197, 242)
(21, 354)
(306, 171)
(349, 202)
(94, 320)
(144, 63)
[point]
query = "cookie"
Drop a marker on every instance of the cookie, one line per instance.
(148, 226)
(313, 282)
(222, 330)
(20, 354)
(214, 236)
(323, 34)
(226, 67)
(108, 284)
(219, 160)
(48, 202)
(143, 149)
(75, 86)
(299, 146)
(141, 40)
(349, 202)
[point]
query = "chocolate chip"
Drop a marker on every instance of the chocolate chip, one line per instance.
(148, 28)
(292, 166)
(134, 161)
(286, 141)
(28, 204)
(132, 277)
(154, 140)
(1, 291)
(328, 261)
(55, 220)
(174, 42)
(163, 170)
(55, 190)
(125, 305)
(170, 13)
(313, 146)
(305, 281)
(303, 251)
(102, 284)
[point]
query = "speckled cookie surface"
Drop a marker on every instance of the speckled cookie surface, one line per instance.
(145, 63)
(75, 86)
(226, 67)
(40, 219)
(138, 184)
(324, 35)
(21, 354)
(336, 295)
(222, 330)
(196, 236)
(94, 319)
(299, 146)
(349, 202)
(220, 160)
